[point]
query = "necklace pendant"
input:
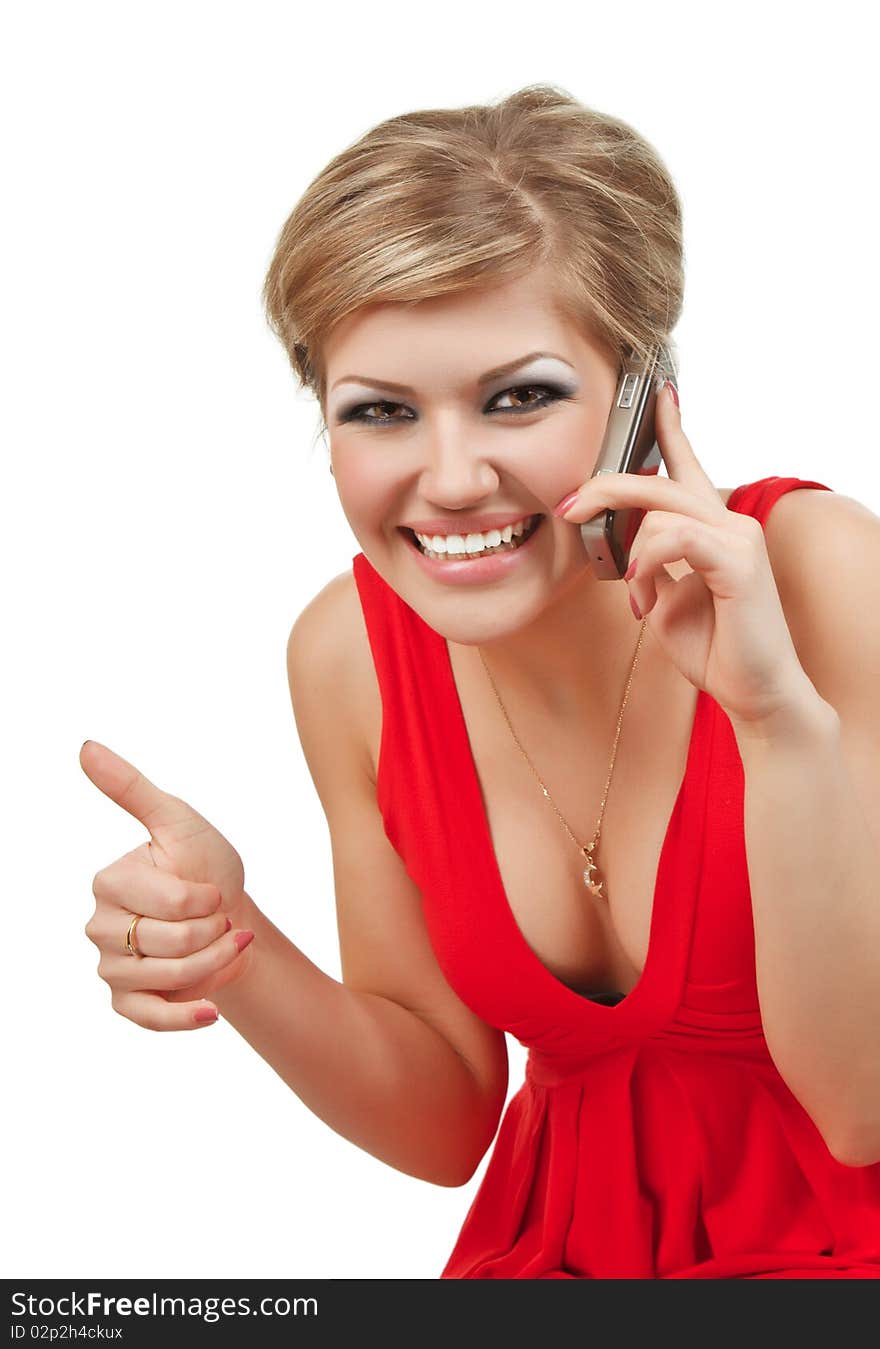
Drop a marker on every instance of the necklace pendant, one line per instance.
(594, 886)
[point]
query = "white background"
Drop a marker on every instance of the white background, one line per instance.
(167, 513)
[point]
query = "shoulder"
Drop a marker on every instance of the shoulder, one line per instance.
(819, 544)
(808, 523)
(814, 536)
(824, 550)
(329, 662)
(323, 627)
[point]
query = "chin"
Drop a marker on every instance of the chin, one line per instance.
(476, 619)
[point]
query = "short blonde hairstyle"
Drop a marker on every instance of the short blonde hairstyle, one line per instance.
(449, 200)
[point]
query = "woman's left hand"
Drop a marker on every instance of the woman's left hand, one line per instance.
(722, 625)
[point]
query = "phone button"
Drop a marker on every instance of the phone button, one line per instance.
(628, 391)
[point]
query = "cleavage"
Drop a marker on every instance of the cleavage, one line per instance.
(596, 947)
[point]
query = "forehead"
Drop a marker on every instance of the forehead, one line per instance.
(477, 321)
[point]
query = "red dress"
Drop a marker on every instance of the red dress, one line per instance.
(652, 1137)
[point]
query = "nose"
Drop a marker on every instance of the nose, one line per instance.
(457, 472)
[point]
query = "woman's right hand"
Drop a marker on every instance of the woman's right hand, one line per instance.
(187, 882)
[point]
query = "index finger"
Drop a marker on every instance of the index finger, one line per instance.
(144, 889)
(647, 492)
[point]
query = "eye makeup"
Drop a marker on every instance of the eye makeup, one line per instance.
(548, 393)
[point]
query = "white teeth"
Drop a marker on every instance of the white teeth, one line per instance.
(473, 543)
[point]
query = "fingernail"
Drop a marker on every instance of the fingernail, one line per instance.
(635, 608)
(228, 925)
(631, 570)
(241, 939)
(84, 743)
(205, 1014)
(672, 389)
(565, 503)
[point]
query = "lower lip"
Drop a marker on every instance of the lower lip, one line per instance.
(478, 572)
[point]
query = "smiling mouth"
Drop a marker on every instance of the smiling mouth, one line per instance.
(516, 542)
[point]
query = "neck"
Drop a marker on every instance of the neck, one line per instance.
(575, 657)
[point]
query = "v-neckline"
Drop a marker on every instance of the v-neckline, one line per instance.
(556, 987)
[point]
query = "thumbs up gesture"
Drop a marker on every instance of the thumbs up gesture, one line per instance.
(165, 913)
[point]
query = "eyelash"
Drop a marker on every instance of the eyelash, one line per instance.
(552, 395)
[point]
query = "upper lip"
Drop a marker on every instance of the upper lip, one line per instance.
(468, 524)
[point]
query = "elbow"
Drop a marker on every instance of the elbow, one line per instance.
(447, 1179)
(461, 1177)
(465, 1172)
(856, 1151)
(856, 1156)
(855, 1143)
(465, 1177)
(453, 1183)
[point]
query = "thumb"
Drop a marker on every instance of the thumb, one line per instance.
(128, 787)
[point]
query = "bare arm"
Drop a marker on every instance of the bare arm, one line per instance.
(390, 1058)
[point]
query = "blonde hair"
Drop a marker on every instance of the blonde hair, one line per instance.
(452, 199)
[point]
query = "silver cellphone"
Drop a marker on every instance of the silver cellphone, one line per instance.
(629, 446)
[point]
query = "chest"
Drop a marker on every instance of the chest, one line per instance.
(592, 944)
(589, 943)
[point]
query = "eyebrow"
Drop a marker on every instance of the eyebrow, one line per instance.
(506, 369)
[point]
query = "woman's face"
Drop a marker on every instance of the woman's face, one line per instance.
(455, 444)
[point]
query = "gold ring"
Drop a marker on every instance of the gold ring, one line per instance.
(130, 947)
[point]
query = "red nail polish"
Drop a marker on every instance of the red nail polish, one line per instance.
(565, 503)
(205, 1014)
(228, 925)
(635, 608)
(241, 939)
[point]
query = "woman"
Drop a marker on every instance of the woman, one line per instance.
(457, 289)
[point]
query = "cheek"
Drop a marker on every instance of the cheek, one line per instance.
(564, 463)
(366, 484)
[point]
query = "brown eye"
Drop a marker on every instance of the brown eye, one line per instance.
(359, 414)
(365, 406)
(518, 393)
(544, 395)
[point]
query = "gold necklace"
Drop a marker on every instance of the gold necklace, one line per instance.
(595, 886)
